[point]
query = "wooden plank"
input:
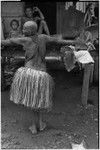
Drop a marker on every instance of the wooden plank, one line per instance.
(91, 73)
(12, 8)
(88, 72)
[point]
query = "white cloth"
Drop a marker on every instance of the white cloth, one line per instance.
(83, 57)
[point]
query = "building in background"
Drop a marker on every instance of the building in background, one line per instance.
(61, 17)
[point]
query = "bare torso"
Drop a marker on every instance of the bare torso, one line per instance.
(35, 53)
(35, 49)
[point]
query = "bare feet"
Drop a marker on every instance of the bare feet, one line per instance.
(33, 129)
(42, 126)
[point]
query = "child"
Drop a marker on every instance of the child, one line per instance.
(32, 86)
(15, 32)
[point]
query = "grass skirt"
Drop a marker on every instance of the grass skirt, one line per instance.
(32, 88)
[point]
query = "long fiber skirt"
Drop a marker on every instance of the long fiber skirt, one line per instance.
(32, 88)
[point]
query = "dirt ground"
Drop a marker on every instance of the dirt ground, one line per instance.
(67, 122)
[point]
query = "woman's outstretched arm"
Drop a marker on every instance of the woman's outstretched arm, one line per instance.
(61, 41)
(14, 41)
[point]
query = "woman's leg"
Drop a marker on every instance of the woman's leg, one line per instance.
(37, 123)
(42, 125)
(33, 128)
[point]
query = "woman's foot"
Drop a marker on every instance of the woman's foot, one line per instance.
(42, 126)
(33, 129)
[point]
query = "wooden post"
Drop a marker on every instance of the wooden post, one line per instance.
(88, 69)
(92, 73)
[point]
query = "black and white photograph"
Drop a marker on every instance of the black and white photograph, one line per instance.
(50, 75)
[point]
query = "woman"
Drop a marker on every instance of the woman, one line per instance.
(32, 86)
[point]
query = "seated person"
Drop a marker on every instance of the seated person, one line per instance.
(14, 32)
(35, 15)
(27, 17)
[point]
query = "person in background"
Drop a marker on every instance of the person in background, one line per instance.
(15, 31)
(28, 16)
(11, 51)
(90, 17)
(34, 14)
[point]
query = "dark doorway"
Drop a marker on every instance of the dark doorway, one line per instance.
(49, 11)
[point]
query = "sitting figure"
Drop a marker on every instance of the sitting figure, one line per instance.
(14, 32)
(28, 16)
(35, 15)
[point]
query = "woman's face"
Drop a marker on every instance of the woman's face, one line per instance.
(26, 31)
(29, 12)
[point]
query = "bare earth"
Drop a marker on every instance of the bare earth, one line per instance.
(68, 122)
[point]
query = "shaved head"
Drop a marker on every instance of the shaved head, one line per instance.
(30, 28)
(31, 24)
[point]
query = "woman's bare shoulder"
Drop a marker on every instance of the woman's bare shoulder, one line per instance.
(43, 37)
(27, 39)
